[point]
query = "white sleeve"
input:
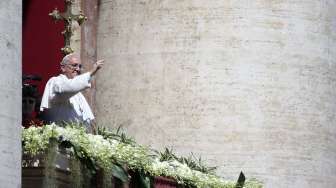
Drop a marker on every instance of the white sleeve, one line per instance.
(47, 95)
(66, 88)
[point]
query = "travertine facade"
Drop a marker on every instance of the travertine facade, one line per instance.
(10, 94)
(249, 85)
(75, 39)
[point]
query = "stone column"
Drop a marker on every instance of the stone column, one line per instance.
(249, 85)
(84, 40)
(89, 44)
(10, 93)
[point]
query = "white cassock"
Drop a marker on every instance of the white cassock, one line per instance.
(62, 100)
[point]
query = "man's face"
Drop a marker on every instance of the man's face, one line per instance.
(73, 68)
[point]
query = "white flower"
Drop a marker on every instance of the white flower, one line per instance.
(106, 151)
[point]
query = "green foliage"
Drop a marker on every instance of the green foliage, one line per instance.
(118, 135)
(191, 161)
(141, 179)
(111, 151)
(166, 155)
(197, 164)
(120, 173)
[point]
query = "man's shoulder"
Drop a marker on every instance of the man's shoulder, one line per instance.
(54, 80)
(59, 77)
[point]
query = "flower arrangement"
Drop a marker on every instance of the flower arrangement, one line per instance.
(113, 151)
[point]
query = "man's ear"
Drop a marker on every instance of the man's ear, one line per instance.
(62, 68)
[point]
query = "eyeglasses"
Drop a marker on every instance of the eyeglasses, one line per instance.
(75, 66)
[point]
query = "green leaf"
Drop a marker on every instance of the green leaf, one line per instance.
(241, 180)
(145, 181)
(140, 179)
(119, 173)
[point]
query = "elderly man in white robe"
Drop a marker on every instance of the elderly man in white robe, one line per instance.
(62, 99)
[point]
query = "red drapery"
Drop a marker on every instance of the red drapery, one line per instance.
(41, 39)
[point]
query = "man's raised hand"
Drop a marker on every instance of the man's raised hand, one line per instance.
(96, 66)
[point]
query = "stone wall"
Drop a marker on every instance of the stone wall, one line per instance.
(249, 85)
(10, 93)
(75, 39)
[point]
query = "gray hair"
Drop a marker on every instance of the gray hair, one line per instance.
(66, 59)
